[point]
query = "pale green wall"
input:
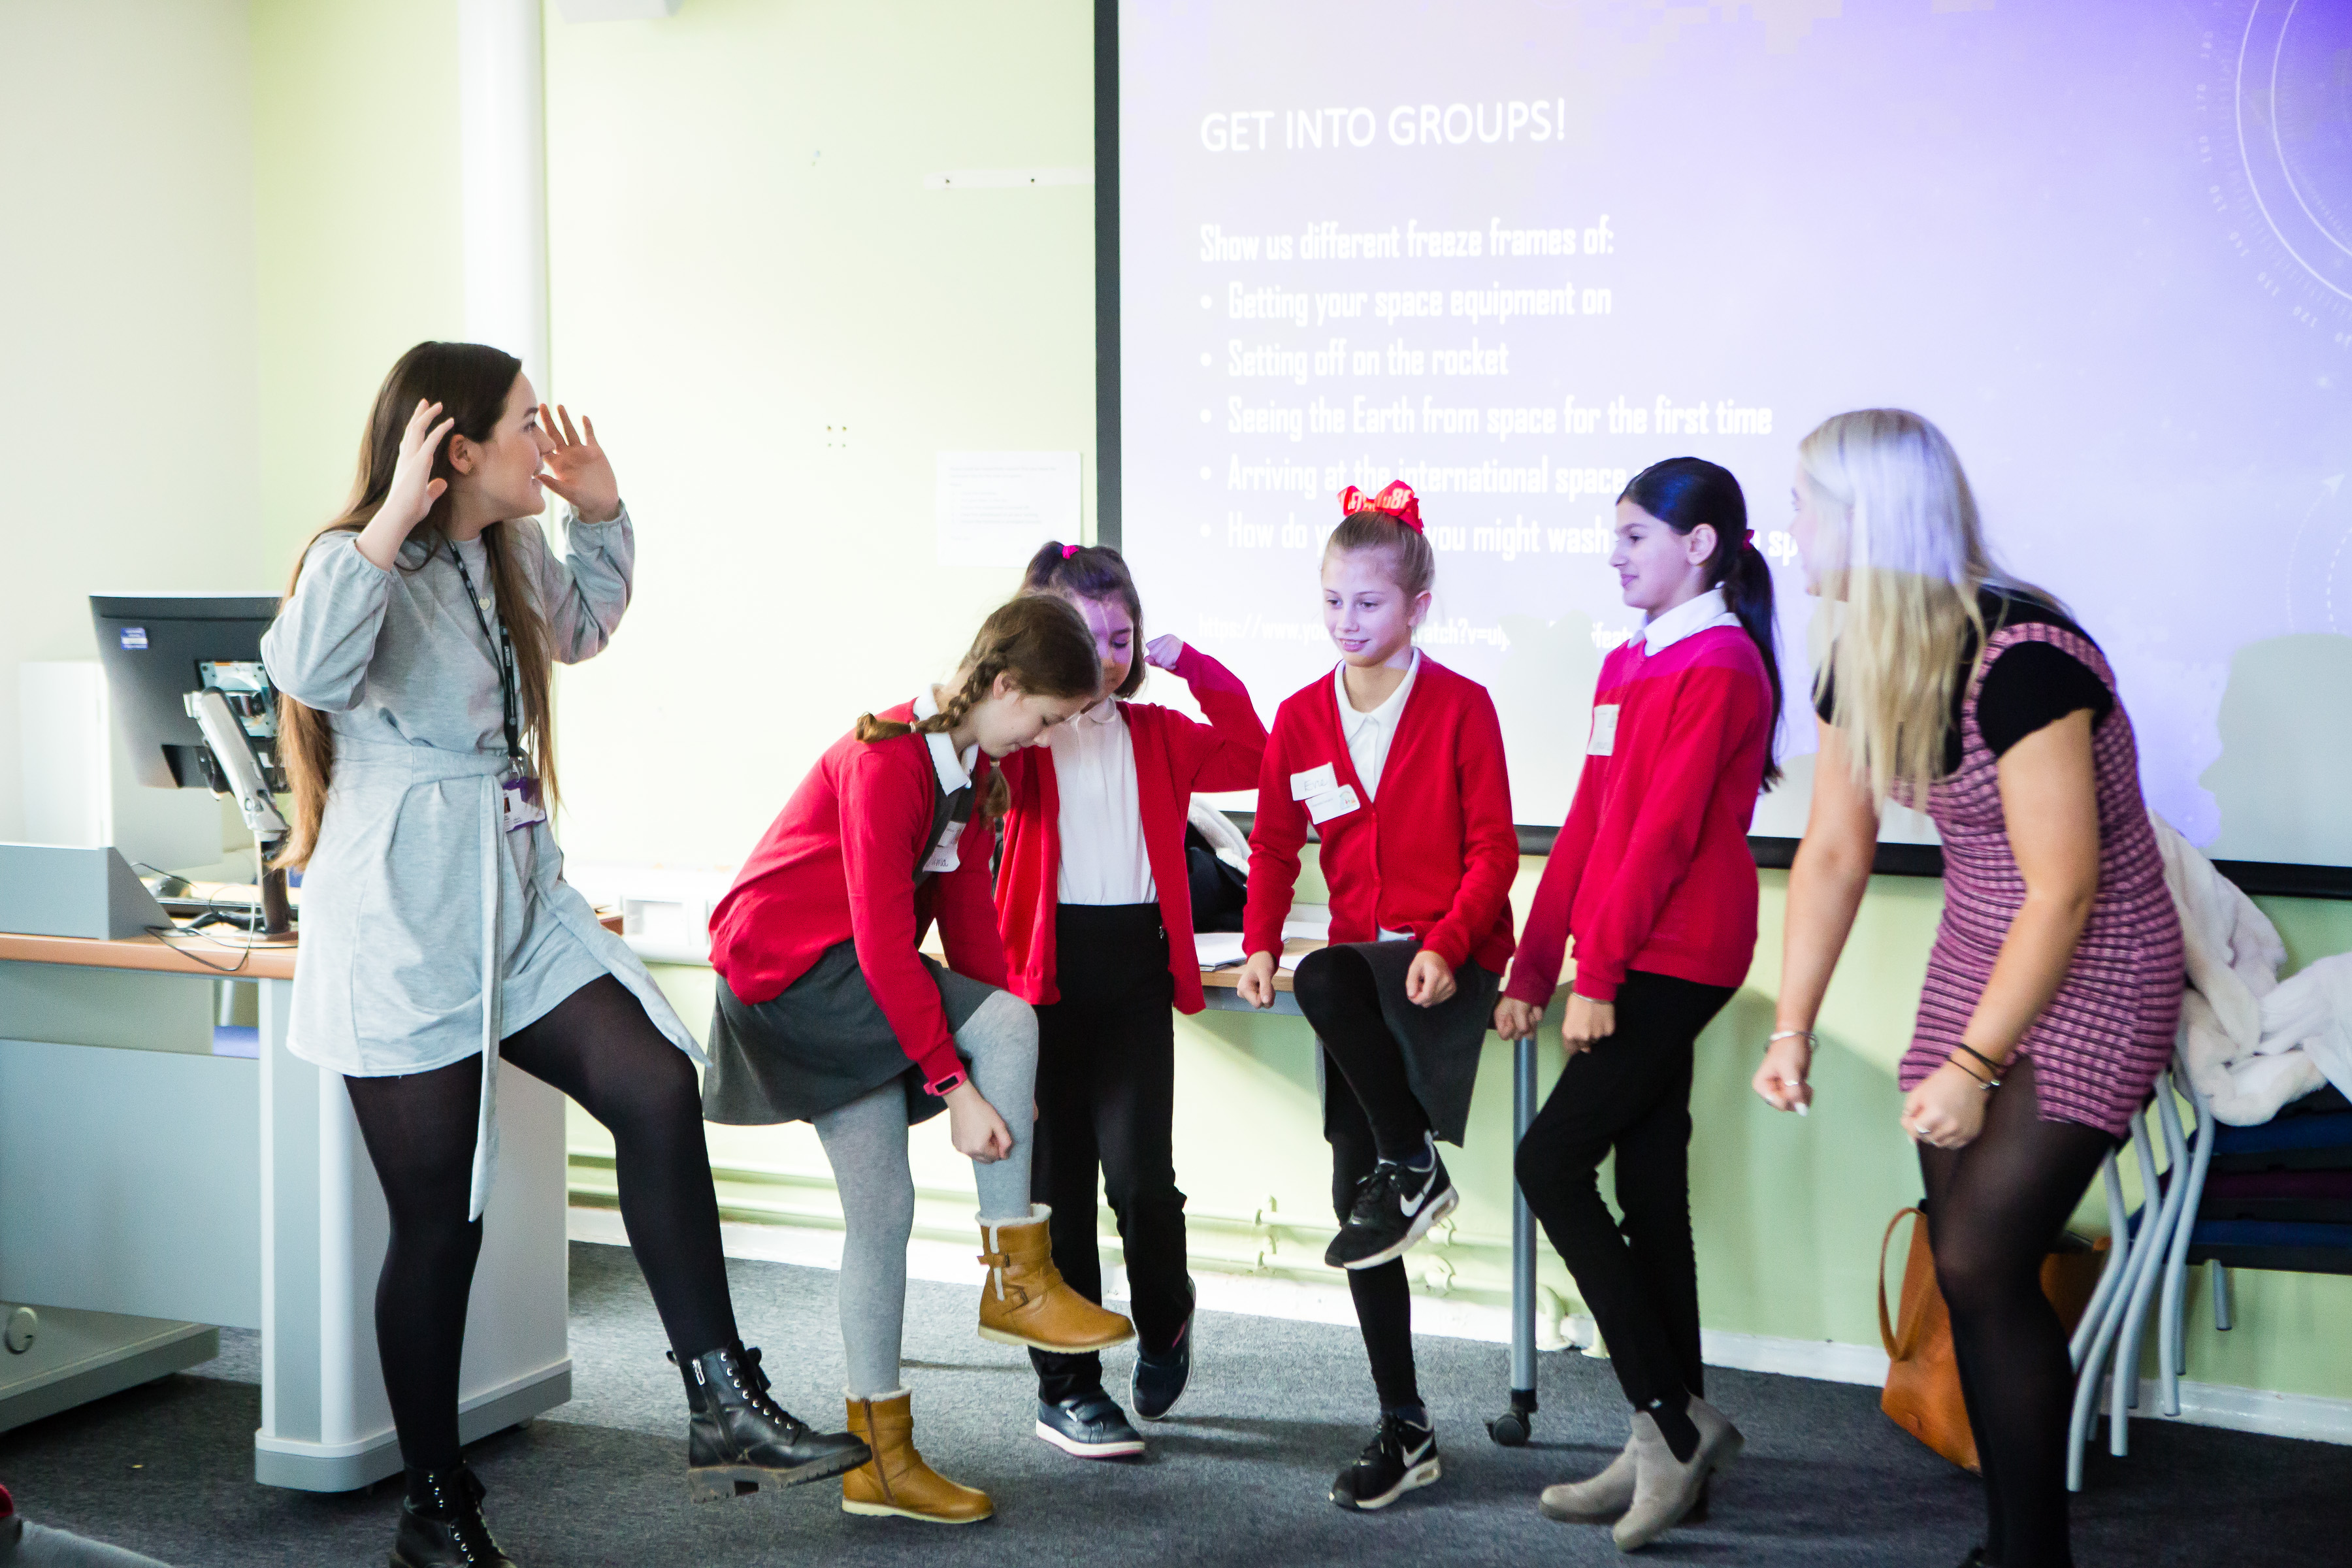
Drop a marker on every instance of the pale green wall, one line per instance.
(127, 319)
(743, 254)
(355, 176)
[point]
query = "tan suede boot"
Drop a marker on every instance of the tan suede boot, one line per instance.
(895, 1481)
(1026, 1300)
(1596, 1500)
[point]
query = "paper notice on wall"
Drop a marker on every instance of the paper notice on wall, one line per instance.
(996, 508)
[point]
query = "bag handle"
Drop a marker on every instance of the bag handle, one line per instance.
(1885, 1324)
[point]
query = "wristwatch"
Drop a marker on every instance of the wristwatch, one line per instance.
(943, 1087)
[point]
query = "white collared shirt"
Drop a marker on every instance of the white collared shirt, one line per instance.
(1100, 822)
(1703, 613)
(955, 772)
(1369, 735)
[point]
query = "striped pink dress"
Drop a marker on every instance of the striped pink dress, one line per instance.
(2099, 1044)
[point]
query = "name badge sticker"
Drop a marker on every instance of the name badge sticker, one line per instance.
(1604, 731)
(519, 803)
(1332, 803)
(1313, 781)
(945, 858)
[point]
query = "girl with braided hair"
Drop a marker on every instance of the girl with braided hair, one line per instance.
(828, 1012)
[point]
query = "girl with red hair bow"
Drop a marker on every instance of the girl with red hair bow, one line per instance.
(1399, 761)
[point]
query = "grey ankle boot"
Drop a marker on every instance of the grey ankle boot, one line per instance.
(1665, 1489)
(1595, 1501)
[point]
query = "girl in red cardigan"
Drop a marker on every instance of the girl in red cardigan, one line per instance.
(828, 1012)
(1097, 911)
(1653, 877)
(1399, 761)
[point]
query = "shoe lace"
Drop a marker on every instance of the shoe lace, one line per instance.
(755, 1387)
(1374, 1193)
(462, 1513)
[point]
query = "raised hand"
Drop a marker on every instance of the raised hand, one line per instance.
(577, 470)
(1162, 651)
(414, 489)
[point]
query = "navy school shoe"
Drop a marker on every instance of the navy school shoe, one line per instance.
(1089, 1426)
(1401, 1456)
(1394, 1207)
(1161, 1377)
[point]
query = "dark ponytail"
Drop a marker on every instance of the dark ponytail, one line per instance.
(1683, 493)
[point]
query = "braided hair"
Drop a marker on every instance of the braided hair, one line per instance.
(1038, 643)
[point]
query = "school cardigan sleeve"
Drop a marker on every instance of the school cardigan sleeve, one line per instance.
(886, 816)
(965, 905)
(1543, 941)
(1719, 712)
(1276, 834)
(1223, 754)
(1490, 846)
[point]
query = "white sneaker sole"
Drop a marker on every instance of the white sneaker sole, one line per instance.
(1436, 1209)
(1414, 1479)
(1078, 1450)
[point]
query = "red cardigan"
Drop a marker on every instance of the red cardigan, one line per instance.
(1435, 855)
(1651, 869)
(1174, 756)
(839, 865)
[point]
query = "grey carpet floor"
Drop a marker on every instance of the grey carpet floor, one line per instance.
(1239, 1475)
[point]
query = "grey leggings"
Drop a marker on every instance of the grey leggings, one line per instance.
(865, 1140)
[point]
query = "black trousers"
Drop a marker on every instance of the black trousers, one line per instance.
(1369, 1111)
(1630, 1093)
(598, 1046)
(1105, 1101)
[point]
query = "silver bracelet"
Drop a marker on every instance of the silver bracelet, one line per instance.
(1805, 1035)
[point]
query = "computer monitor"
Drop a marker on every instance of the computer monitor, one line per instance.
(157, 648)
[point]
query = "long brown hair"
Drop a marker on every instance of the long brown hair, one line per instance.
(1039, 643)
(472, 383)
(1091, 572)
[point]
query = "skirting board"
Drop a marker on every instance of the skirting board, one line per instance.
(347, 1466)
(2310, 1416)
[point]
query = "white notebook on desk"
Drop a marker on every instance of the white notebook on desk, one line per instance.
(1222, 949)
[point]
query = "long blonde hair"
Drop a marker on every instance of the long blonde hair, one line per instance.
(1039, 643)
(1899, 559)
(472, 383)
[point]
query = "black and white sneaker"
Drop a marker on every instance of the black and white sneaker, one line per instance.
(1401, 1457)
(1089, 1426)
(1395, 1206)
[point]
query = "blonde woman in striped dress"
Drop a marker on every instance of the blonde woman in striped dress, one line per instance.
(2054, 983)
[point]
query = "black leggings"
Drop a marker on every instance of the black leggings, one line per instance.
(1995, 1208)
(598, 1046)
(1106, 1105)
(1630, 1093)
(1370, 1114)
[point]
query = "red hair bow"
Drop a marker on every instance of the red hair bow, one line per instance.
(1398, 502)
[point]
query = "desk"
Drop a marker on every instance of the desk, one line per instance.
(1221, 989)
(144, 1183)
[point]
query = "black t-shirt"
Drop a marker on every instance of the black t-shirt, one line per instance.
(2031, 686)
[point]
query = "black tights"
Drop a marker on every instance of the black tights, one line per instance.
(1994, 1209)
(598, 1046)
(1370, 1114)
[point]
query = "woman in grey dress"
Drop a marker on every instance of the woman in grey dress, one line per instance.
(411, 657)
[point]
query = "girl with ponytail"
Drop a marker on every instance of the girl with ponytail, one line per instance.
(828, 1012)
(1651, 876)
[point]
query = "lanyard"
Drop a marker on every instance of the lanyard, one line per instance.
(503, 646)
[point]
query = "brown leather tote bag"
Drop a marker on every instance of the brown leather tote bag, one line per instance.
(1923, 1381)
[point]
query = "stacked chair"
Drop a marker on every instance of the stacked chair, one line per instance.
(2276, 1196)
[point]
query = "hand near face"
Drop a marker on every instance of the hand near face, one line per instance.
(577, 469)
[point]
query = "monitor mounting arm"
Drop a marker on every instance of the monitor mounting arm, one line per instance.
(233, 753)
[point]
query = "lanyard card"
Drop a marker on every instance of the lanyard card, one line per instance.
(519, 803)
(946, 857)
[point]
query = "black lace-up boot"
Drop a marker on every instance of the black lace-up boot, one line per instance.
(740, 1439)
(441, 1523)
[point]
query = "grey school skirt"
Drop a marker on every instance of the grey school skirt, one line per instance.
(1440, 1045)
(823, 1042)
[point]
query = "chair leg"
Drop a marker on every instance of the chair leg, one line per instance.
(2175, 1338)
(2100, 1321)
(2220, 1298)
(2124, 1398)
